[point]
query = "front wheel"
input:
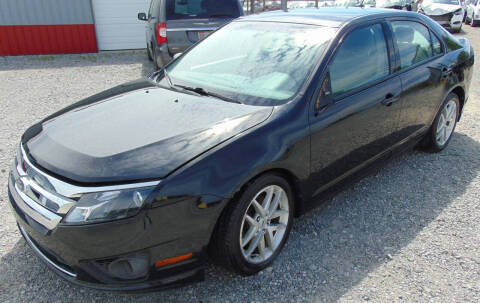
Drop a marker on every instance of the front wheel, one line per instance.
(473, 23)
(444, 125)
(254, 228)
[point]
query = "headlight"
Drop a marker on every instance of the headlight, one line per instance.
(109, 205)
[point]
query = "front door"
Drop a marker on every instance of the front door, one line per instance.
(357, 125)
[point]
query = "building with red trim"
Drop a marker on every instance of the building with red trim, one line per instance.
(30, 27)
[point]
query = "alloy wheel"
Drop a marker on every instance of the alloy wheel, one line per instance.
(446, 123)
(264, 224)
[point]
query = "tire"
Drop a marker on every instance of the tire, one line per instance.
(472, 22)
(149, 54)
(234, 227)
(458, 30)
(432, 143)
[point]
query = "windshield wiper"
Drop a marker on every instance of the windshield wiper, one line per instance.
(201, 91)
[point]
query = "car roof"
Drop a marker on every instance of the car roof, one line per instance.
(325, 16)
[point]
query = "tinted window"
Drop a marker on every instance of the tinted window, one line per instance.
(362, 58)
(413, 41)
(437, 46)
(193, 9)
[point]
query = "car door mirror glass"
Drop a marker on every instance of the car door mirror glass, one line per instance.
(142, 17)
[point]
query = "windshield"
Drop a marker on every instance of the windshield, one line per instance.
(195, 9)
(257, 63)
(454, 2)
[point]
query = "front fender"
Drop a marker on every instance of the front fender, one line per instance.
(282, 142)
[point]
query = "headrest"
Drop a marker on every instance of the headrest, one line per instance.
(404, 34)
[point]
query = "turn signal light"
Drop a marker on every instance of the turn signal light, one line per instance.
(173, 260)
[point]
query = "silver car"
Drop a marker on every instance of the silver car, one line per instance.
(174, 25)
(473, 12)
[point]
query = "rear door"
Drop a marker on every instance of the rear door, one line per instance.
(189, 21)
(356, 113)
(423, 75)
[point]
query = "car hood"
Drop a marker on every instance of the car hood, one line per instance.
(138, 134)
(436, 9)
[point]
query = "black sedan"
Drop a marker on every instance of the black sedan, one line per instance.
(216, 154)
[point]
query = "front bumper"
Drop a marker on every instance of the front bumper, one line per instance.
(449, 20)
(65, 272)
(84, 254)
(76, 253)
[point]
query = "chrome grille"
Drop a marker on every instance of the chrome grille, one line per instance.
(39, 189)
(35, 195)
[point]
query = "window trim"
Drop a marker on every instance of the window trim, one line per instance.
(367, 85)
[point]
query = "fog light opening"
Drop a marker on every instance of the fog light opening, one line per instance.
(176, 259)
(132, 267)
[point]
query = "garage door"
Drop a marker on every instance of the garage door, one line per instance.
(116, 23)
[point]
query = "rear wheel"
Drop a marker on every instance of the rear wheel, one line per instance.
(472, 21)
(254, 228)
(444, 125)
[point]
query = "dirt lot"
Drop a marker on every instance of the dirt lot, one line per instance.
(411, 232)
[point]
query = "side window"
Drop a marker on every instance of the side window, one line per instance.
(361, 59)
(413, 41)
(436, 45)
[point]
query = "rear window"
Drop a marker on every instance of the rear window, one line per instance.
(194, 9)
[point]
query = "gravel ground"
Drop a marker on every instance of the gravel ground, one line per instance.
(410, 232)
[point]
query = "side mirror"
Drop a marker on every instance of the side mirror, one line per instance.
(142, 17)
(177, 55)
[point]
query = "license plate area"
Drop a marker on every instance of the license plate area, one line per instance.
(203, 34)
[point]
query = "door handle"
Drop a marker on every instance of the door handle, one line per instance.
(390, 99)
